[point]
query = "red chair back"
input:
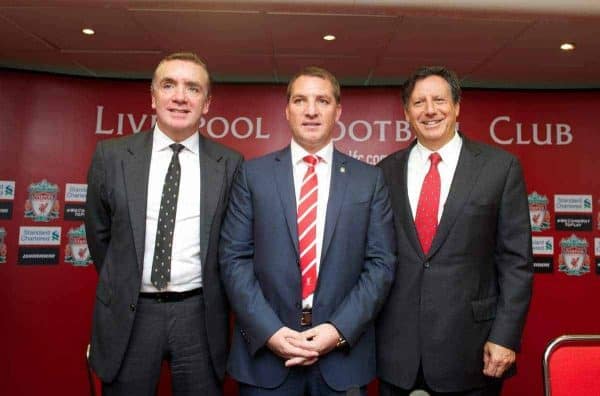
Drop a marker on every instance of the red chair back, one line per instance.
(572, 366)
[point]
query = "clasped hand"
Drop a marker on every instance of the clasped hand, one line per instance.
(303, 348)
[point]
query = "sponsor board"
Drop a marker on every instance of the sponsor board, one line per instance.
(7, 190)
(573, 222)
(39, 236)
(75, 192)
(543, 245)
(543, 264)
(572, 203)
(74, 212)
(38, 255)
(6, 209)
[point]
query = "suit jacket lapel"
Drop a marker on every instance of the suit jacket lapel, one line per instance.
(284, 182)
(403, 203)
(337, 191)
(136, 169)
(467, 171)
(212, 175)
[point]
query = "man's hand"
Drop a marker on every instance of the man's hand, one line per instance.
(497, 359)
(289, 344)
(320, 339)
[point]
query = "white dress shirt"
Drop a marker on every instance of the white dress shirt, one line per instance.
(323, 170)
(418, 166)
(186, 270)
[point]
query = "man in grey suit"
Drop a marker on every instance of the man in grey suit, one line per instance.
(454, 317)
(307, 257)
(155, 203)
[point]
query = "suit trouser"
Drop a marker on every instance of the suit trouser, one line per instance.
(301, 381)
(173, 331)
(386, 389)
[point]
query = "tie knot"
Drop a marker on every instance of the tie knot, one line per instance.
(311, 160)
(435, 159)
(176, 147)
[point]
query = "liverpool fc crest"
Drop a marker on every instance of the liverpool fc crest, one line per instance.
(42, 204)
(574, 258)
(76, 251)
(538, 212)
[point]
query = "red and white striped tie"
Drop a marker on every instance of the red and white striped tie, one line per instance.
(307, 227)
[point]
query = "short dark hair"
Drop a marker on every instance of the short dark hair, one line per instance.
(426, 71)
(315, 71)
(184, 56)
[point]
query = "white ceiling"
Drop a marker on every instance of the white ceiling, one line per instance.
(489, 43)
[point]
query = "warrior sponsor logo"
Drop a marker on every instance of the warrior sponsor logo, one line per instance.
(598, 265)
(543, 265)
(574, 258)
(7, 189)
(2, 245)
(42, 204)
(6, 208)
(38, 255)
(538, 212)
(75, 192)
(572, 203)
(543, 246)
(39, 235)
(76, 250)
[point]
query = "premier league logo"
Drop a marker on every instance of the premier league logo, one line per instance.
(76, 251)
(538, 212)
(574, 259)
(2, 245)
(42, 204)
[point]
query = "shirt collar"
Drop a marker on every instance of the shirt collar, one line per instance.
(162, 142)
(449, 152)
(298, 153)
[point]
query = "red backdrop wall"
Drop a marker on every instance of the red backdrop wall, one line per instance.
(49, 125)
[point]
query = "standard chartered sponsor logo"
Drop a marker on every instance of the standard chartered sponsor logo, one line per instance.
(75, 192)
(573, 203)
(543, 245)
(39, 235)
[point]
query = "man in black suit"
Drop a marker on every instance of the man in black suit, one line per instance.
(159, 295)
(454, 317)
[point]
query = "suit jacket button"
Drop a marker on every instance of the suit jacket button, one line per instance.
(426, 264)
(298, 306)
(132, 307)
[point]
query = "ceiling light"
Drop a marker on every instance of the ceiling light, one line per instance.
(567, 46)
(88, 31)
(329, 37)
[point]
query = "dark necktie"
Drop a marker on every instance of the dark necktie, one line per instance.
(426, 219)
(307, 227)
(161, 265)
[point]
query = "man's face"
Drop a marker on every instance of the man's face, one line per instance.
(180, 97)
(312, 112)
(431, 112)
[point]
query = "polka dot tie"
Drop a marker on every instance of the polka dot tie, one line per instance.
(161, 265)
(307, 227)
(426, 219)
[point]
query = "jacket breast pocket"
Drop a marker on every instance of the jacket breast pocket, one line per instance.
(484, 309)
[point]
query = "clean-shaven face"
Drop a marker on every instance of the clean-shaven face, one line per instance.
(431, 112)
(312, 112)
(180, 97)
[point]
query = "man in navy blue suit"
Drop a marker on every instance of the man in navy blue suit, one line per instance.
(307, 256)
